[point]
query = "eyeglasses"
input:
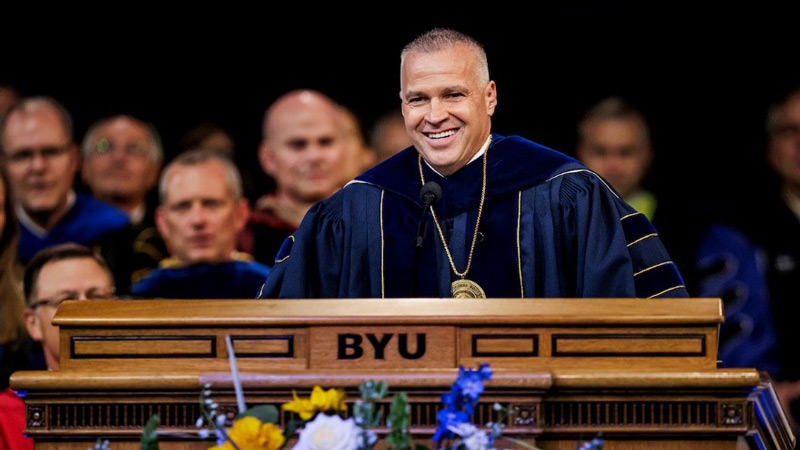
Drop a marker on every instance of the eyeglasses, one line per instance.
(26, 155)
(135, 149)
(56, 301)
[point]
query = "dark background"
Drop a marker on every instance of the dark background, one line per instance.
(702, 78)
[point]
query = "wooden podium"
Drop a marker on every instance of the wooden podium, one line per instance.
(642, 372)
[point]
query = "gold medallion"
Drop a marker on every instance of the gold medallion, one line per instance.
(466, 289)
(463, 288)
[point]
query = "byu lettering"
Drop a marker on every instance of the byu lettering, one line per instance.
(350, 345)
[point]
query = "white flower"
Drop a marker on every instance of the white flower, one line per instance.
(477, 441)
(472, 438)
(329, 433)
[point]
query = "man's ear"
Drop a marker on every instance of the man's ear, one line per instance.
(74, 158)
(491, 97)
(32, 324)
(161, 222)
(265, 158)
(242, 214)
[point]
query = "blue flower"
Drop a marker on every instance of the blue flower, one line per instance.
(449, 419)
(485, 371)
(470, 383)
(594, 444)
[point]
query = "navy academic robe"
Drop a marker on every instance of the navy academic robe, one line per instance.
(233, 279)
(550, 228)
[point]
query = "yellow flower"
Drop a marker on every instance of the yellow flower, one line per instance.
(332, 399)
(301, 406)
(320, 401)
(250, 434)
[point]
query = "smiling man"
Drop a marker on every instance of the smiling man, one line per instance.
(122, 158)
(304, 149)
(201, 211)
(42, 158)
(510, 218)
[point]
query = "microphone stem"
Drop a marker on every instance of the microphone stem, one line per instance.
(421, 231)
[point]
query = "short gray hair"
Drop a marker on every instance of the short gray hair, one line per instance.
(613, 108)
(29, 105)
(156, 149)
(439, 39)
(200, 156)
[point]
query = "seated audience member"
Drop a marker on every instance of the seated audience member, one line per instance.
(614, 141)
(389, 135)
(42, 159)
(202, 209)
(304, 150)
(752, 261)
(15, 346)
(54, 275)
(122, 158)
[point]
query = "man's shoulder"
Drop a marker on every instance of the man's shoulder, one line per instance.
(232, 279)
(251, 268)
(87, 207)
(398, 174)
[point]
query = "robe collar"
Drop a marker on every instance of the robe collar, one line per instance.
(514, 164)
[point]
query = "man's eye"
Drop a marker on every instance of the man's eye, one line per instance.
(25, 155)
(297, 145)
(180, 207)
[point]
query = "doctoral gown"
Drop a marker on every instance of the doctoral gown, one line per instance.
(549, 228)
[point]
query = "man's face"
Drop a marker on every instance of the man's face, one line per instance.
(120, 162)
(306, 153)
(66, 279)
(617, 150)
(447, 109)
(200, 218)
(784, 145)
(41, 160)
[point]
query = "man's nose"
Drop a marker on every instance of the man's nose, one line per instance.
(118, 152)
(39, 162)
(437, 111)
(197, 215)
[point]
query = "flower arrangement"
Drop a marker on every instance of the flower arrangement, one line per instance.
(321, 427)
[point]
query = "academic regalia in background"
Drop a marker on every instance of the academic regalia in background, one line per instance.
(85, 223)
(263, 235)
(233, 279)
(550, 228)
(133, 252)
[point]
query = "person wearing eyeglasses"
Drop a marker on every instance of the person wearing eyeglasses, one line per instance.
(55, 275)
(42, 159)
(122, 157)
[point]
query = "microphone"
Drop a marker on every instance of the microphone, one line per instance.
(430, 193)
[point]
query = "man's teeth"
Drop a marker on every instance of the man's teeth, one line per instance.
(442, 134)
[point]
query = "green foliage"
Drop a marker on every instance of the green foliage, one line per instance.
(264, 413)
(149, 438)
(399, 438)
(365, 411)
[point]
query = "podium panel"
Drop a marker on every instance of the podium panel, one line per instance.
(641, 372)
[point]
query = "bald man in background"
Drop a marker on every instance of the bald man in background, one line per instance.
(306, 150)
